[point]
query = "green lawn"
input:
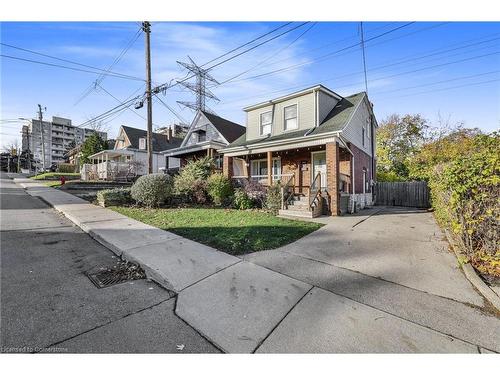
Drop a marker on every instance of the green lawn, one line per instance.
(53, 184)
(56, 176)
(229, 230)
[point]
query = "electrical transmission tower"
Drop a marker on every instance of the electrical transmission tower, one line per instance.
(199, 88)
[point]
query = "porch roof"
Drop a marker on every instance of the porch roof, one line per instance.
(112, 153)
(335, 121)
(193, 148)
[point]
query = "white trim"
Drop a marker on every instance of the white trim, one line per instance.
(297, 117)
(311, 143)
(271, 124)
(247, 148)
(353, 112)
(196, 147)
(325, 185)
(293, 95)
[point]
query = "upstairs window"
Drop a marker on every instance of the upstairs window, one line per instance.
(142, 143)
(291, 117)
(363, 131)
(202, 135)
(266, 120)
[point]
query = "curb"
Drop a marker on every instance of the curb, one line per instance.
(473, 277)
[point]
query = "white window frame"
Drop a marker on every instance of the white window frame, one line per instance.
(270, 124)
(258, 161)
(141, 140)
(296, 117)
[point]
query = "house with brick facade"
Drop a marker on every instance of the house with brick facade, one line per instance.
(207, 134)
(319, 145)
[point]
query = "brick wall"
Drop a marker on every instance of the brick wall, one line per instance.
(361, 160)
(227, 166)
(332, 176)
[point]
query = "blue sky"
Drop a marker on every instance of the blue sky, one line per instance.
(451, 69)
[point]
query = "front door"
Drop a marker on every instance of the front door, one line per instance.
(319, 166)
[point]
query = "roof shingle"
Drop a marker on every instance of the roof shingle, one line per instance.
(160, 142)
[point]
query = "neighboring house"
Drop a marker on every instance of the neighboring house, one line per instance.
(129, 156)
(73, 155)
(207, 134)
(319, 145)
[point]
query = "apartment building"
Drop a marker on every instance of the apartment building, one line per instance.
(59, 136)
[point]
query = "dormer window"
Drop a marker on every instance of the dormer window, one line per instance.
(142, 143)
(266, 120)
(291, 117)
(202, 135)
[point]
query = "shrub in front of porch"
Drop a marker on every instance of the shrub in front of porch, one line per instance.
(219, 189)
(114, 197)
(152, 190)
(191, 183)
(273, 198)
(241, 200)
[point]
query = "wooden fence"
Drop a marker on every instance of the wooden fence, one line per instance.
(407, 194)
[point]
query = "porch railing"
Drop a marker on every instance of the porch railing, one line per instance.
(315, 191)
(263, 178)
(287, 192)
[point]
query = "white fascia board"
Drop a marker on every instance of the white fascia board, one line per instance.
(198, 147)
(282, 145)
(294, 95)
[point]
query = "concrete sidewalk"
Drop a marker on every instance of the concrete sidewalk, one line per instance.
(263, 304)
(170, 260)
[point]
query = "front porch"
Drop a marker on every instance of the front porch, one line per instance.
(315, 180)
(110, 165)
(176, 159)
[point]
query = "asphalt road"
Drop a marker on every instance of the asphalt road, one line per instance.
(49, 305)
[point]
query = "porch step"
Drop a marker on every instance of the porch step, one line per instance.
(296, 213)
(299, 206)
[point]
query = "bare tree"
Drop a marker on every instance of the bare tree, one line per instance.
(13, 145)
(97, 126)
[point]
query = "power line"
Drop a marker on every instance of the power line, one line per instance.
(319, 58)
(438, 82)
(101, 77)
(171, 109)
(398, 62)
(166, 86)
(322, 47)
(119, 101)
(450, 88)
(117, 75)
(247, 43)
(271, 56)
(258, 45)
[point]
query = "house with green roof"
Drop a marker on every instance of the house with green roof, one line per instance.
(318, 145)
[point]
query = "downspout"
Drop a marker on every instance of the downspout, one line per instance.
(352, 173)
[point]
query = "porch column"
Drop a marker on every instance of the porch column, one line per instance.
(227, 166)
(269, 168)
(332, 176)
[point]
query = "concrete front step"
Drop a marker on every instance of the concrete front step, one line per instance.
(296, 213)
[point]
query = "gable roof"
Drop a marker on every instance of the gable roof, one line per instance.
(160, 142)
(228, 129)
(336, 120)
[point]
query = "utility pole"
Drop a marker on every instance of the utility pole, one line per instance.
(40, 118)
(364, 57)
(29, 152)
(146, 27)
